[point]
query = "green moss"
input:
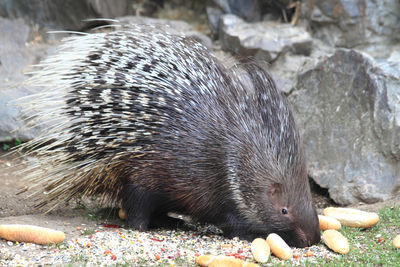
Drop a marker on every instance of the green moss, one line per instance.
(88, 231)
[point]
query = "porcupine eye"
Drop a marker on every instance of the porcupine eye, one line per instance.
(284, 211)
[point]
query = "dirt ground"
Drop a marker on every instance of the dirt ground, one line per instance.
(18, 209)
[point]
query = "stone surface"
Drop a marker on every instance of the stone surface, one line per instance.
(345, 23)
(64, 14)
(284, 70)
(249, 10)
(18, 50)
(263, 40)
(349, 108)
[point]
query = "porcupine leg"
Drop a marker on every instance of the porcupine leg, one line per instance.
(146, 209)
(139, 205)
(162, 220)
(242, 233)
(234, 226)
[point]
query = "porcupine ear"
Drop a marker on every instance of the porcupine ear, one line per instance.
(275, 192)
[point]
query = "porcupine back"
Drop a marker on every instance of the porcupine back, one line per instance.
(104, 97)
(144, 108)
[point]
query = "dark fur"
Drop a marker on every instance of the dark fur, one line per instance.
(191, 172)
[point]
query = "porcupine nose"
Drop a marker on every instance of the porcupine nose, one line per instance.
(307, 238)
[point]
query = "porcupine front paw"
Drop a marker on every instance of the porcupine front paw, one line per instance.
(146, 209)
(139, 205)
(234, 226)
(243, 234)
(136, 222)
(162, 220)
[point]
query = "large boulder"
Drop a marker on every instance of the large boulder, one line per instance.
(263, 40)
(20, 47)
(349, 109)
(248, 10)
(349, 24)
(64, 14)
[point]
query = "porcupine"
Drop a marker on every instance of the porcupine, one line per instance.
(155, 122)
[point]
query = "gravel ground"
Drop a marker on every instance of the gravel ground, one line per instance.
(110, 244)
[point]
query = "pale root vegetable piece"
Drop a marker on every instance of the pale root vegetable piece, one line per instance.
(30, 234)
(225, 261)
(260, 250)
(335, 241)
(396, 241)
(122, 214)
(352, 217)
(250, 264)
(279, 247)
(204, 260)
(326, 223)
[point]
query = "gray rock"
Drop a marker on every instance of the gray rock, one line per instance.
(18, 51)
(349, 108)
(11, 122)
(285, 68)
(349, 24)
(263, 40)
(249, 10)
(14, 38)
(63, 14)
(174, 26)
(395, 55)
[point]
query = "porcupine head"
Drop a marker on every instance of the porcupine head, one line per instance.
(157, 123)
(267, 169)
